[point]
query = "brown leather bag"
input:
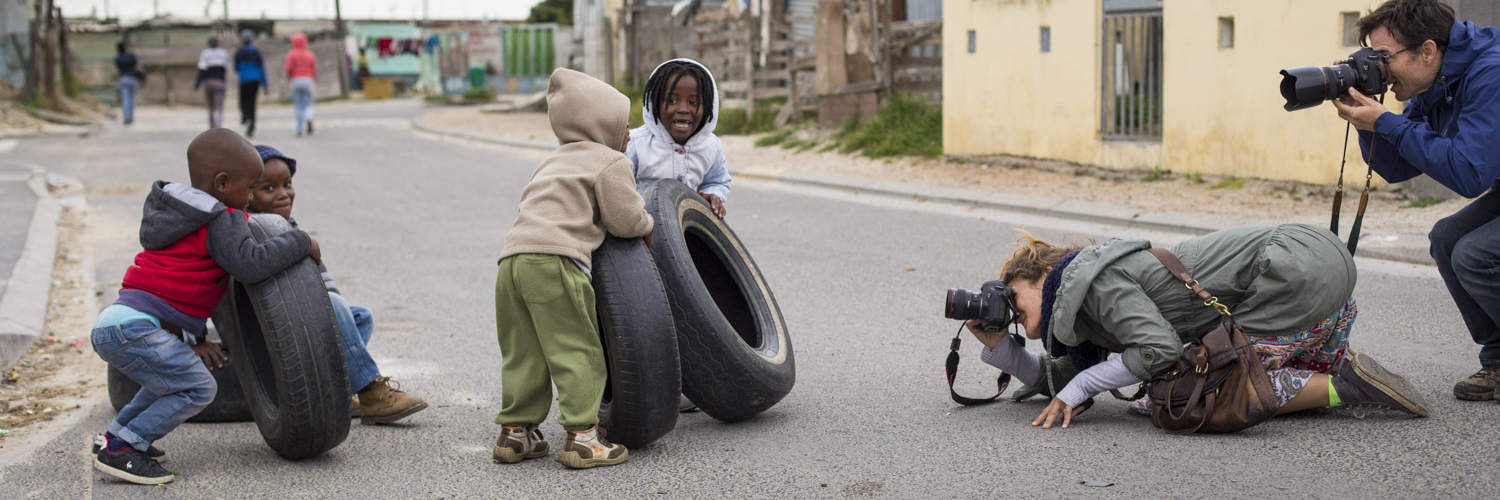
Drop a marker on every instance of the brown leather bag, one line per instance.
(1219, 383)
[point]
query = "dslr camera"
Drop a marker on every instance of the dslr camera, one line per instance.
(1308, 86)
(994, 305)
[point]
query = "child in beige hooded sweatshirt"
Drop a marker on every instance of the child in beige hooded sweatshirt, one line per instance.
(544, 302)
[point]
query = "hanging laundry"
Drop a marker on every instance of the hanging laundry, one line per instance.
(386, 47)
(433, 43)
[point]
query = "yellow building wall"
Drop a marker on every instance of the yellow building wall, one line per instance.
(1222, 108)
(1010, 98)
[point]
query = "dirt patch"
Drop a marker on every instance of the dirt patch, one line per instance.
(61, 372)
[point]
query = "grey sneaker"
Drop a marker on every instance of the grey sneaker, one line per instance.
(588, 448)
(1478, 387)
(1363, 383)
(519, 443)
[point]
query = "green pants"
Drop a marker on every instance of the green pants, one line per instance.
(545, 319)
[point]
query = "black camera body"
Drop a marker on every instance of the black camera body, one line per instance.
(1308, 86)
(993, 305)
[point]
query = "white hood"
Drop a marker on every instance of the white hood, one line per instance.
(698, 140)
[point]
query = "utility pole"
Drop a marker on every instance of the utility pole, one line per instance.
(338, 28)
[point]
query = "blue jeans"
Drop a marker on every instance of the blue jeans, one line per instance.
(129, 86)
(355, 326)
(1466, 248)
(302, 101)
(174, 383)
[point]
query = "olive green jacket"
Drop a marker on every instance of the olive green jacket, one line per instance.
(1276, 280)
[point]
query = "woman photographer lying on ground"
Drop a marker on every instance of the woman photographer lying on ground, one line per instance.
(1288, 287)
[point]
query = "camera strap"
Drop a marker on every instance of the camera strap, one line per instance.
(1364, 195)
(952, 369)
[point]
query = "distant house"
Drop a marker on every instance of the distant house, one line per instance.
(1186, 86)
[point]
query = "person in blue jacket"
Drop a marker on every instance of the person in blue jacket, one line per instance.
(1448, 73)
(251, 68)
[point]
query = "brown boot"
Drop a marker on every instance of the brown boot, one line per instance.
(517, 443)
(354, 407)
(384, 403)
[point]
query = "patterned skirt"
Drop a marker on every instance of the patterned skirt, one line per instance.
(1292, 360)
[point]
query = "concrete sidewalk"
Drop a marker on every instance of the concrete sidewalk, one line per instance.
(28, 245)
(1408, 248)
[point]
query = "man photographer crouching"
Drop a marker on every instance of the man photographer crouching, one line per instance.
(1448, 73)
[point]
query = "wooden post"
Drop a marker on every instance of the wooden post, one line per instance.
(65, 55)
(49, 52)
(338, 29)
(749, 28)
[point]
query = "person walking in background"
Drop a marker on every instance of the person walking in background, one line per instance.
(211, 71)
(302, 73)
(251, 68)
(131, 79)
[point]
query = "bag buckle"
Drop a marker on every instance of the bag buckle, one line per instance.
(1201, 369)
(1213, 302)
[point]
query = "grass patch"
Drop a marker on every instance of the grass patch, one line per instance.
(774, 138)
(479, 94)
(1196, 178)
(733, 121)
(1155, 174)
(1425, 201)
(72, 84)
(634, 93)
(1230, 182)
(830, 147)
(906, 126)
(37, 100)
(438, 98)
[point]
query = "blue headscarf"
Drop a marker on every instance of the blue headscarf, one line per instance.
(268, 153)
(1083, 355)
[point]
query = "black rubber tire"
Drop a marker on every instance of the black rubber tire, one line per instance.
(290, 358)
(228, 406)
(736, 352)
(640, 344)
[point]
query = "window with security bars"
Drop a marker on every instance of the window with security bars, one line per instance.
(1131, 70)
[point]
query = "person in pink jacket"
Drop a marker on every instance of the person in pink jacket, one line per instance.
(302, 71)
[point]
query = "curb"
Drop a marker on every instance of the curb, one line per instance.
(418, 125)
(23, 307)
(1175, 222)
(58, 131)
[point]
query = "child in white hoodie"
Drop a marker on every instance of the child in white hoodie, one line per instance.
(680, 109)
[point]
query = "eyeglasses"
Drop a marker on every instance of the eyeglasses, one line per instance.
(1388, 55)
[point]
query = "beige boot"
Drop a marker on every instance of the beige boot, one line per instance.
(588, 448)
(384, 403)
(517, 443)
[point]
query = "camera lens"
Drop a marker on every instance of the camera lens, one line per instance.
(963, 304)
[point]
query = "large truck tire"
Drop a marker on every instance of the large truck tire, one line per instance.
(736, 352)
(288, 354)
(640, 344)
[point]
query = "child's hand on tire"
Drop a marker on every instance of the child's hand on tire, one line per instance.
(315, 252)
(212, 356)
(714, 202)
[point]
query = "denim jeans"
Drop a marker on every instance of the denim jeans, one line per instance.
(1466, 248)
(302, 100)
(213, 95)
(129, 86)
(174, 383)
(355, 326)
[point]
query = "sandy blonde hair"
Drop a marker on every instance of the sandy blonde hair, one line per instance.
(1032, 258)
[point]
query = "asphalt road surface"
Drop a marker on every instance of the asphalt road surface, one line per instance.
(411, 226)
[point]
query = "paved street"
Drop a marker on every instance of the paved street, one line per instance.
(411, 226)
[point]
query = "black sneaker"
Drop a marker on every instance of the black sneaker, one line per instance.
(153, 452)
(1363, 383)
(309, 127)
(132, 465)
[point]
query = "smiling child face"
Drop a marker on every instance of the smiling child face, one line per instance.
(682, 109)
